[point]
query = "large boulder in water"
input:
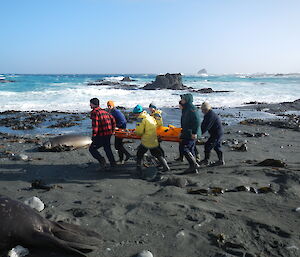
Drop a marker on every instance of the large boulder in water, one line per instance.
(202, 72)
(127, 79)
(167, 81)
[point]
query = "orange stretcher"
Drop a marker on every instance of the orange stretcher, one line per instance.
(169, 133)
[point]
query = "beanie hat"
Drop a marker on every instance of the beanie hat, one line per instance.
(111, 103)
(206, 106)
(137, 109)
(95, 101)
(152, 105)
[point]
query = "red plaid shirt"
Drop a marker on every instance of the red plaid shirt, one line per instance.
(103, 123)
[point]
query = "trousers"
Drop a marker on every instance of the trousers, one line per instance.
(102, 141)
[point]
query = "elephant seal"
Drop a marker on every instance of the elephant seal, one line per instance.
(21, 225)
(66, 142)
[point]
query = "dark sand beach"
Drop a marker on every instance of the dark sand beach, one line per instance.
(133, 214)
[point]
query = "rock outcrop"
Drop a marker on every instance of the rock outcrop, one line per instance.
(127, 79)
(209, 90)
(167, 81)
(103, 83)
(6, 81)
(114, 84)
(202, 71)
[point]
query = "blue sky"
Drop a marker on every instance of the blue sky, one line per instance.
(149, 36)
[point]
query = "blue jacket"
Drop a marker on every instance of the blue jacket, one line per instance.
(212, 123)
(119, 117)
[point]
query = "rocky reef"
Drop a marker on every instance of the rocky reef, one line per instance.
(114, 84)
(167, 81)
(209, 90)
(127, 79)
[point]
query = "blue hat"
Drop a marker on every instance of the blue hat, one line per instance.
(138, 109)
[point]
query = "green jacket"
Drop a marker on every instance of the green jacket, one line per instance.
(190, 118)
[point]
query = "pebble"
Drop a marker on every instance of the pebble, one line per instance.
(235, 142)
(144, 253)
(198, 226)
(180, 234)
(35, 203)
(19, 157)
(18, 251)
(292, 247)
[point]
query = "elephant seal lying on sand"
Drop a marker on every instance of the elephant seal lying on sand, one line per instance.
(21, 225)
(66, 143)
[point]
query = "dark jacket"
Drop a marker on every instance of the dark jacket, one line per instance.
(190, 119)
(119, 117)
(212, 123)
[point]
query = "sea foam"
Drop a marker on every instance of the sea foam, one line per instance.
(71, 93)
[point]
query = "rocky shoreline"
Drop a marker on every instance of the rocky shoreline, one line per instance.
(31, 120)
(288, 120)
(249, 207)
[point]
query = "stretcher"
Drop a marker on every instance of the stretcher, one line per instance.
(169, 133)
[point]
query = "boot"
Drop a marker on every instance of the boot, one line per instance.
(121, 157)
(221, 157)
(180, 158)
(220, 162)
(113, 165)
(193, 168)
(128, 156)
(206, 159)
(198, 158)
(102, 163)
(164, 164)
(197, 154)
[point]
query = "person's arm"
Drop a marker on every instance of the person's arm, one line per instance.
(120, 117)
(204, 125)
(113, 113)
(123, 121)
(113, 122)
(195, 122)
(208, 122)
(95, 124)
(158, 119)
(140, 127)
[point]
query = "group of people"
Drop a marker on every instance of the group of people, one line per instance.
(105, 122)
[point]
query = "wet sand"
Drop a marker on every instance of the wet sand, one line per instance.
(133, 214)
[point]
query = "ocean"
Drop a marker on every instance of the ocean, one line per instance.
(70, 93)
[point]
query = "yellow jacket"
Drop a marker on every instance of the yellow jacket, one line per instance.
(158, 117)
(146, 128)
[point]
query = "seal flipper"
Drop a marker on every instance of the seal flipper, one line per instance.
(78, 230)
(53, 242)
(73, 237)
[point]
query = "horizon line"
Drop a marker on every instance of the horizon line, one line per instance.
(182, 73)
